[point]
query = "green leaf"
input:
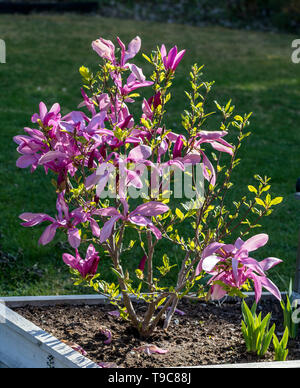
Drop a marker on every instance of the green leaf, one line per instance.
(260, 202)
(179, 214)
(147, 58)
(252, 189)
(285, 338)
(276, 201)
(267, 341)
(85, 72)
(116, 273)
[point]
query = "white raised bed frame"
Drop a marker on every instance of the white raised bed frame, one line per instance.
(25, 345)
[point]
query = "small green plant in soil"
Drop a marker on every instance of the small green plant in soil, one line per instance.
(256, 330)
(280, 348)
(289, 310)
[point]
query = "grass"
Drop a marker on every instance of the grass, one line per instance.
(44, 53)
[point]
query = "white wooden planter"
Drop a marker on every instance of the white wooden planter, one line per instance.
(25, 345)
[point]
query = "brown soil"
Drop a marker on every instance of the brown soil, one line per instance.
(207, 334)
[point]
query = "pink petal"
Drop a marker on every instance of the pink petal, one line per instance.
(107, 334)
(257, 286)
(212, 135)
(211, 248)
(74, 237)
(253, 264)
(133, 179)
(48, 234)
(143, 221)
(133, 48)
(235, 264)
(75, 347)
(255, 242)
(52, 155)
(107, 212)
(104, 48)
(25, 161)
(43, 110)
(208, 170)
(79, 349)
(142, 263)
(150, 349)
(222, 148)
(217, 292)
(178, 58)
(150, 209)
(102, 182)
(268, 263)
(108, 228)
(239, 243)
(91, 180)
(171, 57)
(138, 73)
(70, 260)
(271, 287)
(115, 313)
(55, 109)
(94, 227)
(163, 50)
(209, 263)
(33, 219)
(91, 251)
(139, 153)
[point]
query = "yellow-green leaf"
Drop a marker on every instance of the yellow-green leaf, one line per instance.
(260, 202)
(252, 189)
(276, 201)
(179, 214)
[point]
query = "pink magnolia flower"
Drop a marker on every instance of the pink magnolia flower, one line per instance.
(134, 81)
(87, 102)
(197, 155)
(178, 146)
(137, 156)
(141, 216)
(150, 105)
(172, 59)
(106, 49)
(64, 220)
(133, 48)
(31, 147)
(49, 119)
(83, 215)
(84, 267)
(231, 265)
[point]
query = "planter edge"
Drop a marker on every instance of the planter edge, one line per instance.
(72, 359)
(51, 300)
(25, 345)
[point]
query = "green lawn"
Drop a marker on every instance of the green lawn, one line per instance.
(43, 57)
